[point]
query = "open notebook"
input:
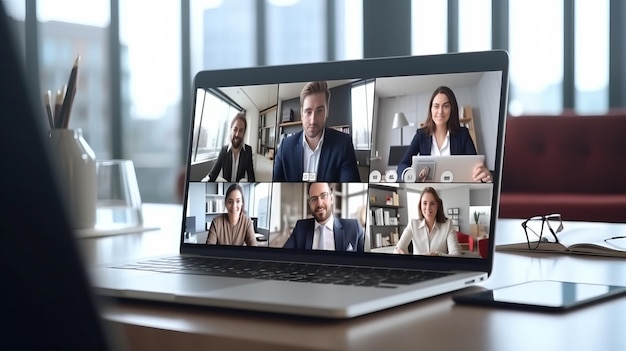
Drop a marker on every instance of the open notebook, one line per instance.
(575, 241)
(286, 263)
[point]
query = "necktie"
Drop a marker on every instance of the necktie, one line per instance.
(320, 243)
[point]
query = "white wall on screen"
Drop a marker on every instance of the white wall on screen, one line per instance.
(196, 205)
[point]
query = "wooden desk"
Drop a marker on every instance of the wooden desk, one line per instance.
(434, 324)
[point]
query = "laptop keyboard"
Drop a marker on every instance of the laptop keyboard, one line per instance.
(287, 271)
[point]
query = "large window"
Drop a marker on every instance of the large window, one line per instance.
(213, 115)
(296, 31)
(63, 35)
(356, 195)
(429, 27)
(239, 33)
(223, 34)
(136, 110)
(16, 9)
(349, 29)
(474, 25)
(536, 49)
(592, 56)
(151, 93)
(362, 114)
(261, 204)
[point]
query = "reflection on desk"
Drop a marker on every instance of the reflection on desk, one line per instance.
(435, 323)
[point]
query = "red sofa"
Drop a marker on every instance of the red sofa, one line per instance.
(573, 165)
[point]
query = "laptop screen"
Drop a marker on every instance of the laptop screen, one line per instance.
(396, 152)
(278, 144)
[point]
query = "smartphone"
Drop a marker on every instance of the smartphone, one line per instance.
(542, 295)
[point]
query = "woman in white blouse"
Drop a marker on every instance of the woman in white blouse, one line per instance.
(431, 234)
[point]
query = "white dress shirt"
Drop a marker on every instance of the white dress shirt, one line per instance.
(441, 239)
(311, 157)
(445, 147)
(235, 162)
(325, 240)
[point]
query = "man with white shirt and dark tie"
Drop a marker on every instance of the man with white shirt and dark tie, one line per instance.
(324, 231)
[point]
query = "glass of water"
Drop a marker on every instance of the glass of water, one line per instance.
(119, 201)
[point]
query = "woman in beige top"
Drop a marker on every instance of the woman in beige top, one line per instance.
(233, 227)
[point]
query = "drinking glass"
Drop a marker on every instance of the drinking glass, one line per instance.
(119, 201)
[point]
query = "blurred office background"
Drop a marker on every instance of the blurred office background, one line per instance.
(139, 56)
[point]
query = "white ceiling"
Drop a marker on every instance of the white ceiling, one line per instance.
(398, 86)
(254, 97)
(261, 97)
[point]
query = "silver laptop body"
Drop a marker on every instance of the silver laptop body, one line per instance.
(447, 169)
(257, 92)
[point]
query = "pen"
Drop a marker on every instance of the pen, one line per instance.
(68, 100)
(57, 108)
(47, 97)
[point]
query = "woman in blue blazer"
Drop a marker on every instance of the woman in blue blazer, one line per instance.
(442, 134)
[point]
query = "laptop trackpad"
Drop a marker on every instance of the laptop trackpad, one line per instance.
(178, 284)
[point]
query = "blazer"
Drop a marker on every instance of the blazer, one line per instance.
(460, 144)
(348, 235)
(225, 162)
(337, 161)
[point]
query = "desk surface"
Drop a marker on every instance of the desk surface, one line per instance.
(435, 323)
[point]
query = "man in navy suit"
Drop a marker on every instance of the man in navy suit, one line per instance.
(235, 159)
(324, 231)
(316, 153)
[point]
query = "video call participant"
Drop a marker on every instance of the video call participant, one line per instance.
(235, 159)
(316, 153)
(431, 234)
(324, 231)
(233, 227)
(442, 134)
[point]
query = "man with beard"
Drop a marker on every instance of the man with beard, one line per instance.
(324, 231)
(235, 159)
(316, 153)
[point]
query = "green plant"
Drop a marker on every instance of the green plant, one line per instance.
(476, 216)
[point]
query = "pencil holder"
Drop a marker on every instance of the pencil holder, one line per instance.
(75, 163)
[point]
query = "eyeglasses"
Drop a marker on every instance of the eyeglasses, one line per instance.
(314, 199)
(617, 241)
(533, 227)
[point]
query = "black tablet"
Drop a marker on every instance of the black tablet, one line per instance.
(544, 295)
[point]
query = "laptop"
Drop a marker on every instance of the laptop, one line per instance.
(396, 152)
(445, 169)
(363, 96)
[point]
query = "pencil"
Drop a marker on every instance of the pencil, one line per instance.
(66, 108)
(58, 101)
(47, 98)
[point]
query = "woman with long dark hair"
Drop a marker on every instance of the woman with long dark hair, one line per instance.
(442, 134)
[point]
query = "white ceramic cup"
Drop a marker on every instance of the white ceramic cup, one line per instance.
(75, 164)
